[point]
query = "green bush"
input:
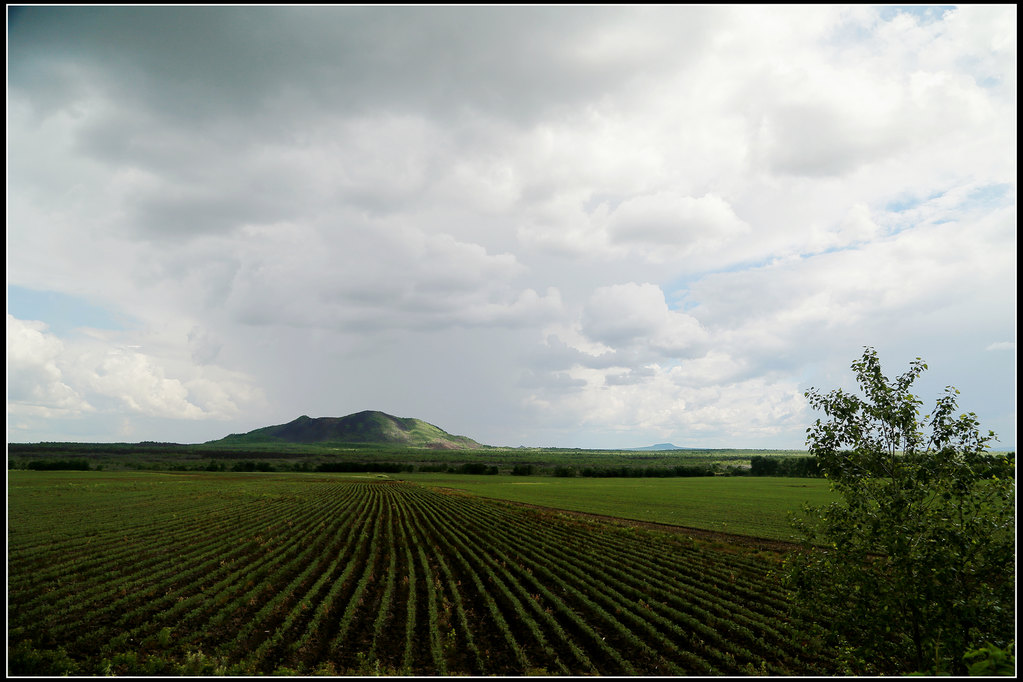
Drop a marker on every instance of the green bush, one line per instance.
(991, 660)
(24, 659)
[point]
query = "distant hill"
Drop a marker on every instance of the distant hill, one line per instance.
(661, 446)
(365, 428)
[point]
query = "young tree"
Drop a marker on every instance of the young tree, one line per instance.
(916, 562)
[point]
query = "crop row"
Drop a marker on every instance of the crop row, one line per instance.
(338, 576)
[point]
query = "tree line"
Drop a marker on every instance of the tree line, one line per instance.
(804, 467)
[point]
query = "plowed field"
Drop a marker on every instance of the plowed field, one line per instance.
(246, 574)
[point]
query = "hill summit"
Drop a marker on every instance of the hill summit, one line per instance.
(369, 427)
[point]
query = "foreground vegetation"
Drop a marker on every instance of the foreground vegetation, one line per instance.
(917, 556)
(220, 573)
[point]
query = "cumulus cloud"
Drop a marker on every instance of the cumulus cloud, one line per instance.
(634, 315)
(668, 223)
(93, 374)
(132, 378)
(914, 283)
(35, 381)
(666, 404)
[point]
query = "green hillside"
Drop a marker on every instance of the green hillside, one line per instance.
(368, 427)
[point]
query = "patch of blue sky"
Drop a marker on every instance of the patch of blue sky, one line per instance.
(988, 82)
(848, 34)
(862, 29)
(595, 200)
(676, 290)
(988, 196)
(62, 313)
(909, 202)
(677, 298)
(981, 198)
(979, 68)
(925, 14)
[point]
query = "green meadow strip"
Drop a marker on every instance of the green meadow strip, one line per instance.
(497, 559)
(439, 667)
(338, 646)
(622, 607)
(640, 604)
(352, 556)
(407, 499)
(502, 581)
(411, 605)
(384, 609)
(250, 634)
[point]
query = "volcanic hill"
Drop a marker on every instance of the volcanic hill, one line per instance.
(364, 428)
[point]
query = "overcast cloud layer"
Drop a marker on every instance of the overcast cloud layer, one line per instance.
(576, 226)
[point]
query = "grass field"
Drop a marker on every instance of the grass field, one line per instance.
(757, 506)
(239, 574)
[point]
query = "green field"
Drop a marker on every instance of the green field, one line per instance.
(239, 574)
(742, 505)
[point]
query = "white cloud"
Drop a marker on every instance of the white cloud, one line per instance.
(629, 316)
(96, 374)
(666, 225)
(35, 381)
(142, 387)
(818, 137)
(666, 404)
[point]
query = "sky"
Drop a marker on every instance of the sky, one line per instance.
(592, 227)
